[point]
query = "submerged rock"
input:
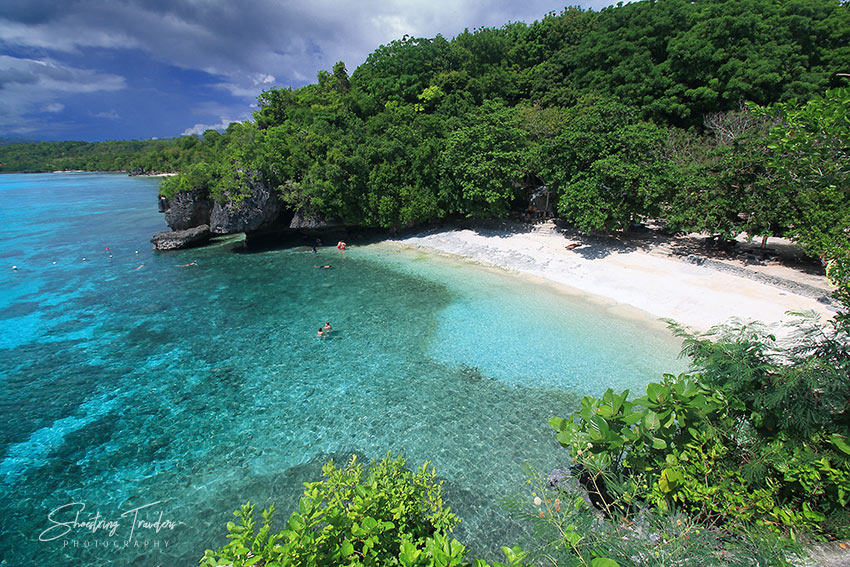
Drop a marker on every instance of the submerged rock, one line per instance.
(174, 239)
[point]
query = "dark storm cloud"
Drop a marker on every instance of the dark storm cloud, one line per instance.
(27, 84)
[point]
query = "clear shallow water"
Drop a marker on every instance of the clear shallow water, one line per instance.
(190, 390)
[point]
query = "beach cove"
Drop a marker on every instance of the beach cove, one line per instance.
(635, 278)
(186, 383)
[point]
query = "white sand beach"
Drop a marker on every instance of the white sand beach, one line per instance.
(649, 277)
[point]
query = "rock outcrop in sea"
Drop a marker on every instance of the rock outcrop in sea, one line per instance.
(174, 239)
(194, 218)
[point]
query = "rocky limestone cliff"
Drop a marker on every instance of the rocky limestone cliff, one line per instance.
(186, 210)
(260, 211)
(260, 215)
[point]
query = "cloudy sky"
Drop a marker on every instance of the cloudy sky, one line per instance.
(124, 69)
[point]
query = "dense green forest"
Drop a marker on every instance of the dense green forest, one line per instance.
(650, 109)
(135, 156)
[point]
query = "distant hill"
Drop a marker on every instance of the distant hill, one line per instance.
(12, 141)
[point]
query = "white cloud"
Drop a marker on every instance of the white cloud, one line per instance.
(201, 128)
(45, 36)
(33, 85)
(111, 114)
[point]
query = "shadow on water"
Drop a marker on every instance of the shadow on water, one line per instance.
(148, 336)
(36, 394)
(20, 309)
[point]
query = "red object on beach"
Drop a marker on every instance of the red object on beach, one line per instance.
(572, 246)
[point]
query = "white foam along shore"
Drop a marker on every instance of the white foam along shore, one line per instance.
(659, 286)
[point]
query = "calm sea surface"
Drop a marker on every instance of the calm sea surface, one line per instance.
(137, 389)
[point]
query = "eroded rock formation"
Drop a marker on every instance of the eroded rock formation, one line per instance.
(261, 215)
(174, 239)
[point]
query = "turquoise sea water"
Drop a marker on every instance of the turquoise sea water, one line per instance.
(177, 393)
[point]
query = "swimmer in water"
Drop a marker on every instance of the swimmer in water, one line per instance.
(320, 333)
(327, 326)
(325, 267)
(140, 267)
(192, 263)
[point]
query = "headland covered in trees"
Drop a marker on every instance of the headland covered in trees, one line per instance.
(632, 112)
(713, 117)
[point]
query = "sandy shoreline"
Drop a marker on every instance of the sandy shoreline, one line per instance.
(653, 281)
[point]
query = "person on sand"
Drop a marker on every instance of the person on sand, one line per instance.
(321, 333)
(192, 263)
(327, 326)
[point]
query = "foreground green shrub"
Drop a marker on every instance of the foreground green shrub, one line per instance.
(758, 438)
(569, 532)
(387, 515)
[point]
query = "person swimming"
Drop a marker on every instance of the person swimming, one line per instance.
(321, 333)
(192, 263)
(327, 326)
(325, 267)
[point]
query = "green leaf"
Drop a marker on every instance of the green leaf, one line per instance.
(572, 536)
(604, 562)
(598, 428)
(296, 522)
(839, 443)
(632, 418)
(669, 480)
(346, 548)
(651, 421)
(655, 392)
